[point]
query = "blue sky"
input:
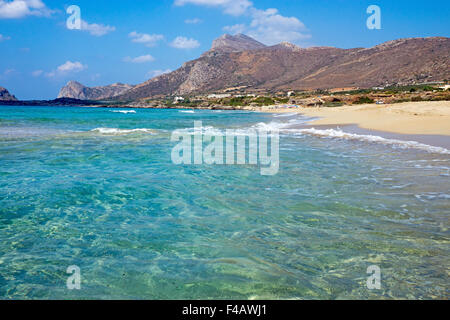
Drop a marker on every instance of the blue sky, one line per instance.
(131, 41)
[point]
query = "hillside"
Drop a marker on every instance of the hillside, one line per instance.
(76, 90)
(240, 61)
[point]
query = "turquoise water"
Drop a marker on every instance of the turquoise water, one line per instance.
(140, 227)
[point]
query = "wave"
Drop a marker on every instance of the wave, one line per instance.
(285, 115)
(188, 111)
(123, 111)
(332, 133)
(115, 131)
(282, 126)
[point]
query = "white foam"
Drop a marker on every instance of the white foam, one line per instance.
(187, 111)
(274, 125)
(284, 115)
(123, 111)
(284, 125)
(332, 133)
(206, 130)
(115, 131)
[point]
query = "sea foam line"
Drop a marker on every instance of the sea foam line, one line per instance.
(123, 111)
(332, 133)
(115, 131)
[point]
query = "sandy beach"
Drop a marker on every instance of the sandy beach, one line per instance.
(414, 118)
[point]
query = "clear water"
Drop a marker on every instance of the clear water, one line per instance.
(140, 227)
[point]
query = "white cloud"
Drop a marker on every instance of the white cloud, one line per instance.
(141, 59)
(4, 38)
(193, 21)
(267, 26)
(150, 40)
(232, 7)
(235, 29)
(155, 73)
(95, 29)
(184, 43)
(70, 66)
(270, 27)
(66, 68)
(21, 8)
(37, 73)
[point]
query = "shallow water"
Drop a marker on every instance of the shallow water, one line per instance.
(97, 189)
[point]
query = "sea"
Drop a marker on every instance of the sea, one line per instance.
(92, 206)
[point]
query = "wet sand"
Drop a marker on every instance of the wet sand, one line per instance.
(432, 140)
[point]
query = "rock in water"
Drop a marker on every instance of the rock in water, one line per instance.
(6, 96)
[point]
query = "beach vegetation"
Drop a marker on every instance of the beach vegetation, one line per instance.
(364, 100)
(333, 104)
(264, 101)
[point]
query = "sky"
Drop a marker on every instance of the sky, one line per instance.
(135, 40)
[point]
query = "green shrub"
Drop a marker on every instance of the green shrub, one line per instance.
(334, 104)
(364, 100)
(264, 101)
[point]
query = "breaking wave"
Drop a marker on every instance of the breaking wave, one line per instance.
(115, 131)
(123, 111)
(332, 133)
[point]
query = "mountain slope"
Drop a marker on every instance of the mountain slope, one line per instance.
(237, 43)
(286, 66)
(6, 96)
(240, 61)
(76, 90)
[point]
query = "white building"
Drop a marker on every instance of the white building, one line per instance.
(178, 99)
(219, 96)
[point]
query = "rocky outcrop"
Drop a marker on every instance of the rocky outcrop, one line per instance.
(237, 43)
(76, 90)
(6, 96)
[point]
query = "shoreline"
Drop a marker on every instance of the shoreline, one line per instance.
(410, 118)
(424, 122)
(440, 141)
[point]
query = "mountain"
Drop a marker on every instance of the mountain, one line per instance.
(239, 61)
(76, 90)
(6, 96)
(237, 43)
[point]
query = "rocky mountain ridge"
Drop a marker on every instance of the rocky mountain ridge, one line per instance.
(76, 90)
(240, 61)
